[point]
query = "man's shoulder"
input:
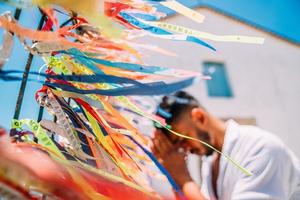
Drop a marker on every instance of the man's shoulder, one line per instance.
(259, 135)
(255, 140)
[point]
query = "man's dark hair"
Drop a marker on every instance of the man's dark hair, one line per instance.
(173, 106)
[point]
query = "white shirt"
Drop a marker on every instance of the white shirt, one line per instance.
(276, 170)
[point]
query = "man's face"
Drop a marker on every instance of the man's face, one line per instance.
(188, 128)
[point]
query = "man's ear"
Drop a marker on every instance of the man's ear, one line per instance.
(199, 117)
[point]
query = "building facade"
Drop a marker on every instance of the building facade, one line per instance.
(256, 84)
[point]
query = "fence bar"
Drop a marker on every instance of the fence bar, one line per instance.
(25, 76)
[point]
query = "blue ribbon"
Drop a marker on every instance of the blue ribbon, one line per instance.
(135, 87)
(121, 65)
(4, 75)
(156, 30)
(156, 88)
(134, 21)
(146, 17)
(160, 167)
(82, 58)
(98, 78)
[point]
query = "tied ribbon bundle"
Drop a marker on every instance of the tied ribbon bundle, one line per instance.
(93, 69)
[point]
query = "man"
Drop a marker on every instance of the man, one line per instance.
(276, 170)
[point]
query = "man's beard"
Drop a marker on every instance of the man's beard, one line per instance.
(204, 136)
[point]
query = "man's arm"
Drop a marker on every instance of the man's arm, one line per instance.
(192, 191)
(174, 161)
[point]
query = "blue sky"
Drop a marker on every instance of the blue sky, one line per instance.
(9, 90)
(278, 16)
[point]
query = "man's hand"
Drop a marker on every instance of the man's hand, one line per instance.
(170, 156)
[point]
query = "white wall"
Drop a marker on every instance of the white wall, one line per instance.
(265, 79)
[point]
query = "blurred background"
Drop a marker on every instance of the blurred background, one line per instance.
(253, 84)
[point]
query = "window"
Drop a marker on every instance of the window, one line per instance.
(218, 85)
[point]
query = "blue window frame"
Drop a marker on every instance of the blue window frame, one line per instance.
(218, 85)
